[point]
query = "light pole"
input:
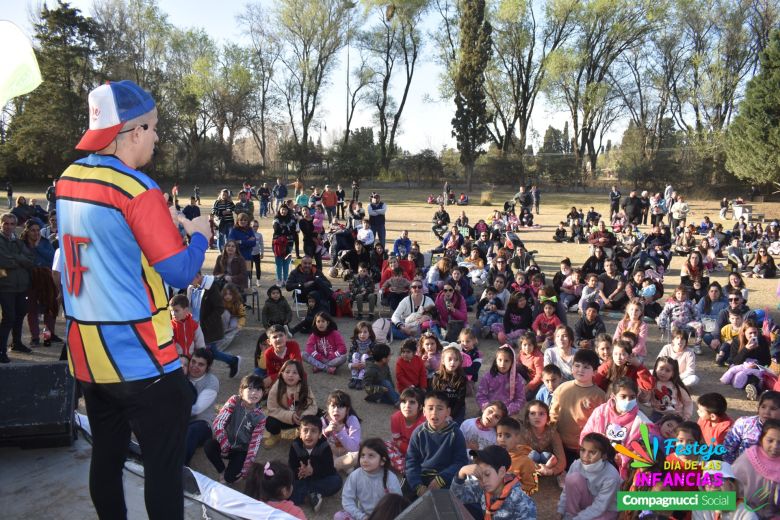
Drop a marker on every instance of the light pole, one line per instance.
(348, 5)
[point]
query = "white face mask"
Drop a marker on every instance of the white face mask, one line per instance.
(625, 405)
(593, 468)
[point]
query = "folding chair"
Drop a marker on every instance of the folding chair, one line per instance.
(297, 304)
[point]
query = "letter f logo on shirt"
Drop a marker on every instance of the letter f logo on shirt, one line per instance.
(74, 271)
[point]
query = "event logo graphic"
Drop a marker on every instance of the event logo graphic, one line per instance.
(642, 456)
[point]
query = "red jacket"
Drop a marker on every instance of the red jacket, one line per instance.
(184, 333)
(715, 431)
(410, 373)
(402, 433)
(273, 363)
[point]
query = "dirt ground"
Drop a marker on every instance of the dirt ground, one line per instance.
(408, 210)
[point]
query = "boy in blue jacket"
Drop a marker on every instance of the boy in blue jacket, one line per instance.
(437, 449)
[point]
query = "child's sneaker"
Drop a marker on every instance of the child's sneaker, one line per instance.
(720, 359)
(316, 501)
(358, 384)
(234, 366)
(359, 317)
(352, 383)
(697, 349)
(751, 391)
(331, 370)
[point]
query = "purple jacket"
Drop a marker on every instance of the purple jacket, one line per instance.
(496, 388)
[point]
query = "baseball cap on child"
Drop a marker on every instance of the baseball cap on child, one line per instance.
(111, 106)
(494, 456)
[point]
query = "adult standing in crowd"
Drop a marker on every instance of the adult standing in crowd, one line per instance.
(245, 204)
(282, 242)
(264, 194)
(536, 196)
(341, 200)
(644, 202)
(191, 210)
(116, 297)
(330, 201)
(446, 192)
(42, 296)
(280, 193)
(243, 235)
(222, 211)
(355, 191)
(16, 260)
(633, 208)
(614, 201)
(297, 186)
(50, 196)
(679, 211)
(9, 192)
(377, 211)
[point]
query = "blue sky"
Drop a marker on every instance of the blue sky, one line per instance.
(425, 122)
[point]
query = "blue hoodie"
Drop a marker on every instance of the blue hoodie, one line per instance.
(435, 454)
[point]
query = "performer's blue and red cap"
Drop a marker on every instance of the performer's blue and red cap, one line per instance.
(110, 107)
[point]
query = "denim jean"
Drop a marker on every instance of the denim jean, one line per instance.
(198, 432)
(398, 333)
(391, 396)
(222, 238)
(325, 486)
(539, 458)
(219, 355)
(263, 208)
(282, 268)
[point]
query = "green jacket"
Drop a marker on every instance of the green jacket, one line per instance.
(15, 261)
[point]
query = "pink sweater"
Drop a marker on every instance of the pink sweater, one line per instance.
(640, 349)
(621, 429)
(327, 347)
(458, 311)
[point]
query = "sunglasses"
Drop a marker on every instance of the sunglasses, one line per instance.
(448, 290)
(416, 286)
(734, 299)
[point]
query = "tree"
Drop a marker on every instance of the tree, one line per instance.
(265, 52)
(553, 141)
(392, 40)
(470, 121)
(579, 74)
(754, 138)
(523, 41)
(311, 33)
(51, 119)
(357, 157)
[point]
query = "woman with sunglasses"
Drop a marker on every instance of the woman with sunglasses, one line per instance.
(764, 265)
(415, 302)
(500, 266)
(450, 306)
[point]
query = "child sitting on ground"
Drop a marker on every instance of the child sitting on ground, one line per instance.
(406, 419)
(341, 426)
(686, 359)
(378, 381)
(436, 450)
(552, 377)
(238, 430)
(362, 289)
(325, 348)
(306, 325)
(495, 489)
(509, 437)
(410, 368)
(480, 432)
(544, 442)
(289, 399)
(234, 316)
(272, 483)
(503, 382)
(592, 482)
(746, 430)
(366, 485)
(276, 310)
(489, 311)
(311, 461)
(560, 233)
(574, 401)
(363, 340)
(277, 350)
(713, 419)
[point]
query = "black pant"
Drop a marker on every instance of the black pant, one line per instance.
(235, 460)
(256, 263)
(157, 411)
(297, 245)
(274, 426)
(14, 307)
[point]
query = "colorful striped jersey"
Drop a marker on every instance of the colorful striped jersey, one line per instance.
(120, 248)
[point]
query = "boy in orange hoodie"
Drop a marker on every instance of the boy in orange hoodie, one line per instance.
(713, 420)
(508, 432)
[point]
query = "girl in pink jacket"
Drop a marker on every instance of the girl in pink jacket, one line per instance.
(619, 419)
(325, 348)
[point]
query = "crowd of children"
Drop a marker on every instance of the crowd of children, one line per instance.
(557, 401)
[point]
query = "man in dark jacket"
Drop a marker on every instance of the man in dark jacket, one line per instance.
(309, 280)
(377, 211)
(15, 261)
(353, 258)
(633, 208)
(441, 220)
(614, 201)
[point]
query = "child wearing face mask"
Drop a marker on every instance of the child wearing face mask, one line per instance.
(618, 419)
(592, 482)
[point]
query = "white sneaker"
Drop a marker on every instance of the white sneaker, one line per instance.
(697, 349)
